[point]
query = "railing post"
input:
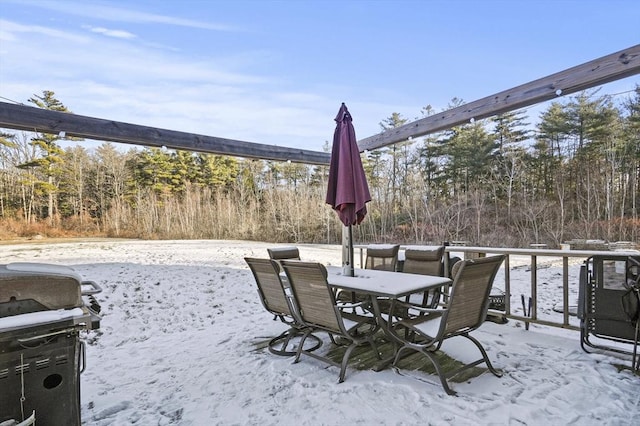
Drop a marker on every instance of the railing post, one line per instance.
(565, 290)
(507, 286)
(534, 287)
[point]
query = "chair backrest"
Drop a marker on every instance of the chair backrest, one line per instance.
(382, 257)
(270, 288)
(312, 294)
(424, 262)
(279, 253)
(601, 303)
(468, 300)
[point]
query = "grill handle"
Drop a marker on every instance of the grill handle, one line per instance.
(31, 339)
(90, 287)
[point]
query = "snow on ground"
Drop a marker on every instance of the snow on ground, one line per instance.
(181, 323)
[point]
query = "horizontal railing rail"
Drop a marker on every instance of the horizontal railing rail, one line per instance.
(534, 254)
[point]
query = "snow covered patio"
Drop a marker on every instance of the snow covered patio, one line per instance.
(180, 343)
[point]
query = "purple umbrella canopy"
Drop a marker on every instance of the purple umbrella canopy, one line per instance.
(347, 191)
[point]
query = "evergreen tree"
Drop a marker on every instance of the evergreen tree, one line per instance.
(217, 171)
(50, 160)
(591, 121)
(510, 128)
(471, 152)
(631, 159)
(554, 130)
(427, 161)
(73, 182)
(7, 145)
(511, 131)
(399, 153)
(153, 168)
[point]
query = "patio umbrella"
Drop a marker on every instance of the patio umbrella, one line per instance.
(347, 191)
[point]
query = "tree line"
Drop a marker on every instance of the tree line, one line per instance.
(495, 182)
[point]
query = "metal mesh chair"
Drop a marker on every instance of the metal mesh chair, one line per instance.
(279, 253)
(464, 312)
(275, 300)
(382, 257)
(319, 311)
(426, 262)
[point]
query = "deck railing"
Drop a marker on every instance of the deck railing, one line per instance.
(534, 255)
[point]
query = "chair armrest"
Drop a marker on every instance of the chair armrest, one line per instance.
(344, 305)
(415, 307)
(405, 310)
(338, 291)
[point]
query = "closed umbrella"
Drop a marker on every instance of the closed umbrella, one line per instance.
(347, 191)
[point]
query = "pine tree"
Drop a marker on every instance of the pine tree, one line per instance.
(510, 129)
(399, 161)
(50, 160)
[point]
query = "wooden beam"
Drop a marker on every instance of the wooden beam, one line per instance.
(600, 71)
(606, 69)
(21, 117)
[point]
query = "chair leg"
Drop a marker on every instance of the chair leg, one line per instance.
(441, 374)
(433, 360)
(279, 345)
(635, 367)
(347, 355)
(301, 347)
(430, 352)
(345, 361)
(398, 357)
(282, 341)
(484, 355)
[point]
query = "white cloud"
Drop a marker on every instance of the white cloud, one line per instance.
(10, 30)
(108, 12)
(112, 78)
(121, 76)
(110, 33)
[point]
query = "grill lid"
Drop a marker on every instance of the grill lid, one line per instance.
(34, 287)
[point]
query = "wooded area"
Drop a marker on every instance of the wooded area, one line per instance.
(498, 182)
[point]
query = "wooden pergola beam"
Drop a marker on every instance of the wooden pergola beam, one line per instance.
(21, 117)
(600, 71)
(609, 68)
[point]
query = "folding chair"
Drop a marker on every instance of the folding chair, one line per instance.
(609, 289)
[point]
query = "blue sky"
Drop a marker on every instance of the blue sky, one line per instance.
(276, 72)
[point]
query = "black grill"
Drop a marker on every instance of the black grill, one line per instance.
(43, 310)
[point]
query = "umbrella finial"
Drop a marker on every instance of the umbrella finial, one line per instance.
(343, 113)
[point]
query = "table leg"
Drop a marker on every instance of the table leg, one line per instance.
(384, 363)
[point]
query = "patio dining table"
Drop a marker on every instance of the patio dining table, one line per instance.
(383, 285)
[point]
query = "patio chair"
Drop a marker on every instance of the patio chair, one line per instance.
(426, 262)
(607, 284)
(382, 257)
(319, 311)
(276, 301)
(464, 312)
(279, 253)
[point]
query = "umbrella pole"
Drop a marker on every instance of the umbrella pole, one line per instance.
(347, 251)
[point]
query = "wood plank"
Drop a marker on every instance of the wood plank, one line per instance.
(600, 71)
(22, 117)
(414, 364)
